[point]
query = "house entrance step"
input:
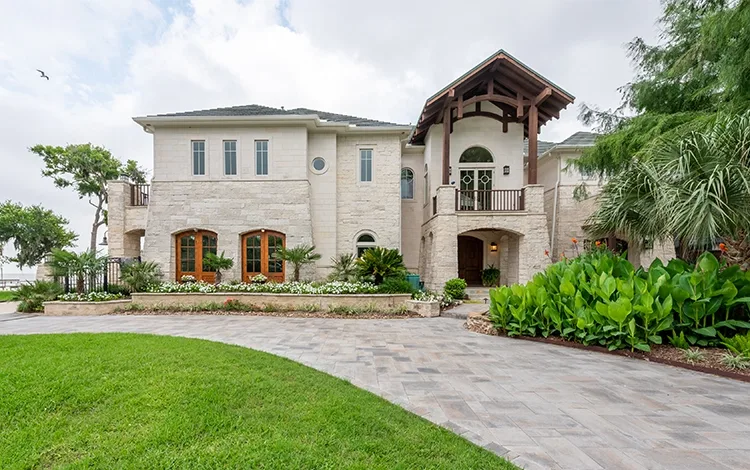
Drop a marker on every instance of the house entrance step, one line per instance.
(462, 311)
(478, 293)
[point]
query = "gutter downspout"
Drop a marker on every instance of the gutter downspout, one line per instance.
(554, 208)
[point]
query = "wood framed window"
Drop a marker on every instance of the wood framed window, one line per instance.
(199, 157)
(257, 255)
(230, 157)
(192, 246)
(261, 157)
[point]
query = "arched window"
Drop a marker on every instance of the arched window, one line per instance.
(257, 255)
(407, 183)
(476, 155)
(364, 243)
(192, 246)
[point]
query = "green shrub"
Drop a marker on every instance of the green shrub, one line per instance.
(738, 344)
(217, 263)
(138, 276)
(32, 296)
(598, 298)
(395, 285)
(734, 361)
(490, 276)
(344, 268)
(118, 289)
(379, 263)
(455, 289)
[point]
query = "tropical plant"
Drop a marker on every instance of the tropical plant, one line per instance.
(298, 256)
(87, 168)
(217, 263)
(395, 285)
(378, 263)
(455, 289)
(738, 344)
(34, 232)
(139, 275)
(77, 265)
(118, 289)
(344, 268)
(599, 298)
(490, 276)
(32, 296)
(695, 189)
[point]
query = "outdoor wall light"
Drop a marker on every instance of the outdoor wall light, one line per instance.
(493, 247)
(506, 170)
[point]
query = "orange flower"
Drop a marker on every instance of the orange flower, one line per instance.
(574, 240)
(723, 247)
(562, 255)
(598, 243)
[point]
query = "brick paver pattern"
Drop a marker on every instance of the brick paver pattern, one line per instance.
(540, 406)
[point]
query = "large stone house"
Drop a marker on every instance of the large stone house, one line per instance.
(468, 186)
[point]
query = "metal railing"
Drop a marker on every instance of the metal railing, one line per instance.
(496, 200)
(139, 194)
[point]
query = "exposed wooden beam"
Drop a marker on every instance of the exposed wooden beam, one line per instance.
(542, 97)
(519, 104)
(446, 146)
(460, 106)
(446, 104)
(493, 97)
(533, 143)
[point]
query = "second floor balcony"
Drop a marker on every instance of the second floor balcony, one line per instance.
(495, 200)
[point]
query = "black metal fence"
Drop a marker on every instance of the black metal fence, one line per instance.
(99, 281)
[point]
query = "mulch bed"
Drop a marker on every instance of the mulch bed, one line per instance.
(663, 354)
(356, 316)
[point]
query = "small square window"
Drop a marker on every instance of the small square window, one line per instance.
(230, 157)
(199, 157)
(365, 165)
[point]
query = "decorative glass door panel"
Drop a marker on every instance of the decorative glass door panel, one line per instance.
(258, 250)
(191, 250)
(475, 190)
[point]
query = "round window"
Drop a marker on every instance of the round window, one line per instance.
(319, 164)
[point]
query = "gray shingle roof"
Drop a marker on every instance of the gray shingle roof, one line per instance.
(580, 139)
(541, 147)
(258, 110)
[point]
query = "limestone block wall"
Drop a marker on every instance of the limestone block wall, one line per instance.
(373, 206)
(411, 213)
(229, 208)
(571, 220)
(323, 197)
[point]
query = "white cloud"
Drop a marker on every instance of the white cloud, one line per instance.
(111, 60)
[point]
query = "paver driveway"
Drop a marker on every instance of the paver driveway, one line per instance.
(539, 405)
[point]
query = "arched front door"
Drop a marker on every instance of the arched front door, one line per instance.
(257, 255)
(191, 248)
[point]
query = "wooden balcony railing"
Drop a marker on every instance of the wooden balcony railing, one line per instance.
(497, 200)
(139, 194)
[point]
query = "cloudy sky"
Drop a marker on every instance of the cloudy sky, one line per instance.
(110, 60)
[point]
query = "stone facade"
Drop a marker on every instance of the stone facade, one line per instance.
(285, 301)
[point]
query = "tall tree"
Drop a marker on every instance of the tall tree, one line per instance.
(34, 232)
(700, 67)
(87, 168)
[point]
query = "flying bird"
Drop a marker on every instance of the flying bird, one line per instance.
(43, 74)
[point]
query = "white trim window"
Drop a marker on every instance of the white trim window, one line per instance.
(407, 183)
(230, 157)
(261, 157)
(199, 157)
(365, 241)
(365, 165)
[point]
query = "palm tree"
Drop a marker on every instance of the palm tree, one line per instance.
(138, 276)
(298, 256)
(695, 188)
(379, 263)
(214, 262)
(79, 265)
(344, 268)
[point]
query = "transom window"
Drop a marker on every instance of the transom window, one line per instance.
(407, 183)
(365, 165)
(258, 255)
(199, 157)
(192, 246)
(230, 157)
(476, 155)
(261, 157)
(364, 243)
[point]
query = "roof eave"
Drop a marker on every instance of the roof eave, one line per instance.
(308, 119)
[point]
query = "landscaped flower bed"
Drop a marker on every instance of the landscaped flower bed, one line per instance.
(90, 297)
(329, 288)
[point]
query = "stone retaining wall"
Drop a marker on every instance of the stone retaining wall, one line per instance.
(291, 301)
(425, 309)
(60, 308)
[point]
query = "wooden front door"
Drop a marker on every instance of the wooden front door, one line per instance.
(470, 260)
(258, 250)
(191, 247)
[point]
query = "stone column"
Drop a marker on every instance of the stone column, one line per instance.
(444, 255)
(118, 194)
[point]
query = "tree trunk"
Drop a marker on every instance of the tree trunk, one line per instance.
(79, 284)
(217, 279)
(296, 273)
(96, 224)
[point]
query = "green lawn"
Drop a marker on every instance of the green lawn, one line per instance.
(5, 295)
(141, 401)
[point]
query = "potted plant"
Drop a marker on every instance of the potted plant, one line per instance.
(258, 279)
(490, 276)
(187, 278)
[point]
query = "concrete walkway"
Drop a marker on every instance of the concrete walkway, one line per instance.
(541, 406)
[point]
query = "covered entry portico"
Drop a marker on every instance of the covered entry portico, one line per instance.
(479, 249)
